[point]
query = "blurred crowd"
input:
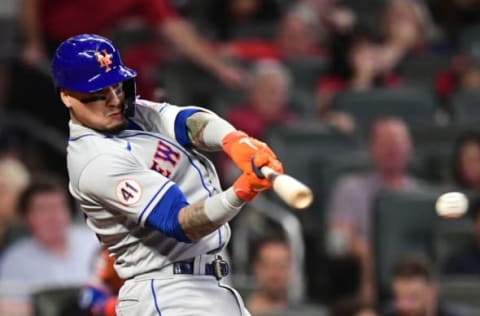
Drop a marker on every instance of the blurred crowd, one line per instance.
(375, 104)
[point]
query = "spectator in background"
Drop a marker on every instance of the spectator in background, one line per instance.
(272, 268)
(355, 67)
(415, 292)
(407, 31)
(267, 100)
(334, 18)
(266, 106)
(466, 161)
(14, 177)
(466, 261)
(463, 74)
(297, 37)
(56, 254)
(350, 211)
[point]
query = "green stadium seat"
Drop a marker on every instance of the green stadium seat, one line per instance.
(450, 236)
(420, 72)
(62, 301)
(470, 40)
(296, 145)
(306, 71)
(466, 108)
(434, 149)
(462, 291)
(416, 107)
(403, 223)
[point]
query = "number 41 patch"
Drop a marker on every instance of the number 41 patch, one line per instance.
(128, 191)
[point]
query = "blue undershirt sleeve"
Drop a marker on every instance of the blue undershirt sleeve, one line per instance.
(181, 133)
(164, 216)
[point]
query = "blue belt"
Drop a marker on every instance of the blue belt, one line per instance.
(219, 268)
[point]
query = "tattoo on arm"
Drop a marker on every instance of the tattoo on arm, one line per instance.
(196, 124)
(195, 222)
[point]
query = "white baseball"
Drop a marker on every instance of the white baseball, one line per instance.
(451, 204)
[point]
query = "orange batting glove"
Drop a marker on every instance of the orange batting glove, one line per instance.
(242, 149)
(249, 184)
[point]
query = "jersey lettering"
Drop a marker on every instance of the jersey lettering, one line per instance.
(156, 167)
(166, 153)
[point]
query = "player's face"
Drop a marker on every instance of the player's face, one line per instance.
(102, 111)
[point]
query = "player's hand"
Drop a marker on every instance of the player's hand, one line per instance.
(249, 184)
(242, 149)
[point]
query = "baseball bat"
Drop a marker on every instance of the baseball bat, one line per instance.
(290, 190)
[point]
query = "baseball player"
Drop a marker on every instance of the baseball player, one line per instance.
(154, 201)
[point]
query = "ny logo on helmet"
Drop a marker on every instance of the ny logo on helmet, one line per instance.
(105, 59)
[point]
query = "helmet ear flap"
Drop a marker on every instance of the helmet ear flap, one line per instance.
(130, 96)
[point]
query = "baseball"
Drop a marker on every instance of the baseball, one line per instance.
(451, 205)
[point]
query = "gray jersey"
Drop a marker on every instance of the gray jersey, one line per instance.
(119, 179)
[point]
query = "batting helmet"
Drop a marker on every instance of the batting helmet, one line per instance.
(89, 63)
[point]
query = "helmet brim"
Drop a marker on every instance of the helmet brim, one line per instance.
(101, 81)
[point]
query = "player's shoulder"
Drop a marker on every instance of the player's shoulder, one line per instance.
(146, 105)
(142, 105)
(84, 143)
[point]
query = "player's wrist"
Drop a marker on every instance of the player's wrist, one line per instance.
(229, 139)
(222, 207)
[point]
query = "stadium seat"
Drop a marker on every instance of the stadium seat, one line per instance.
(298, 144)
(416, 107)
(470, 40)
(419, 72)
(462, 291)
(305, 71)
(62, 301)
(466, 108)
(325, 173)
(433, 150)
(450, 236)
(403, 223)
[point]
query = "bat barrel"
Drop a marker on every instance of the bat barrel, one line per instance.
(289, 189)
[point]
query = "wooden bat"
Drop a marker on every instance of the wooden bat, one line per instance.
(289, 189)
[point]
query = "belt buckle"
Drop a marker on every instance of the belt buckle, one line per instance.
(217, 264)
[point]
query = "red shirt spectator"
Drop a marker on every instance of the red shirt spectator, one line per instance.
(64, 18)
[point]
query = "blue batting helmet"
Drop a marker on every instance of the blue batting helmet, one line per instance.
(88, 63)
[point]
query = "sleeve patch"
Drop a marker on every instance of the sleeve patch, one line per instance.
(128, 192)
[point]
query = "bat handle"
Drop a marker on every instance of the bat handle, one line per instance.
(289, 189)
(269, 173)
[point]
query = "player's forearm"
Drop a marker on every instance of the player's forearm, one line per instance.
(202, 218)
(206, 130)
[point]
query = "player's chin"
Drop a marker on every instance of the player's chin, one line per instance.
(116, 126)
